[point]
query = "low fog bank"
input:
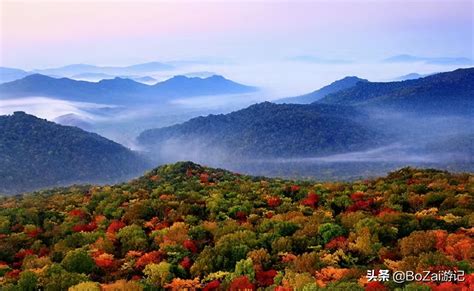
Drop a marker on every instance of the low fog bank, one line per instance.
(345, 171)
(423, 141)
(394, 153)
(80, 183)
(123, 123)
(442, 142)
(346, 166)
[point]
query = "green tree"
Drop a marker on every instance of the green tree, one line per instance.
(85, 286)
(232, 248)
(78, 261)
(56, 278)
(204, 263)
(158, 274)
(4, 224)
(329, 231)
(28, 281)
(245, 267)
(132, 237)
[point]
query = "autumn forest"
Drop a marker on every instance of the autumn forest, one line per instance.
(184, 226)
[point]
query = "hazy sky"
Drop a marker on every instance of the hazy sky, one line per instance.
(37, 34)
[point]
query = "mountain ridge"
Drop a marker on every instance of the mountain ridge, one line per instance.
(73, 69)
(442, 92)
(316, 95)
(269, 130)
(95, 77)
(120, 89)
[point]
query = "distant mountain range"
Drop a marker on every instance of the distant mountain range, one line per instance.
(450, 92)
(341, 127)
(75, 69)
(10, 74)
(119, 90)
(336, 86)
(335, 124)
(35, 153)
(411, 76)
(91, 72)
(264, 130)
(430, 60)
(88, 72)
(94, 77)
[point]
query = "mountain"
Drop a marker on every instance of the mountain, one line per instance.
(189, 227)
(182, 86)
(11, 74)
(35, 153)
(411, 76)
(450, 92)
(264, 130)
(75, 69)
(94, 77)
(120, 90)
(429, 60)
(336, 86)
(64, 88)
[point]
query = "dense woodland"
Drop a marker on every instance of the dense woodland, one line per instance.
(353, 115)
(269, 130)
(187, 226)
(36, 153)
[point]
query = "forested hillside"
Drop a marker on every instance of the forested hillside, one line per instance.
(35, 153)
(449, 92)
(187, 226)
(267, 130)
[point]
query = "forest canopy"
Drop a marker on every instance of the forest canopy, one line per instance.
(188, 226)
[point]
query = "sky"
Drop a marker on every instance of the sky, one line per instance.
(343, 37)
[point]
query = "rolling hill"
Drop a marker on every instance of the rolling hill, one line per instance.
(188, 227)
(335, 86)
(265, 130)
(120, 90)
(35, 154)
(449, 92)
